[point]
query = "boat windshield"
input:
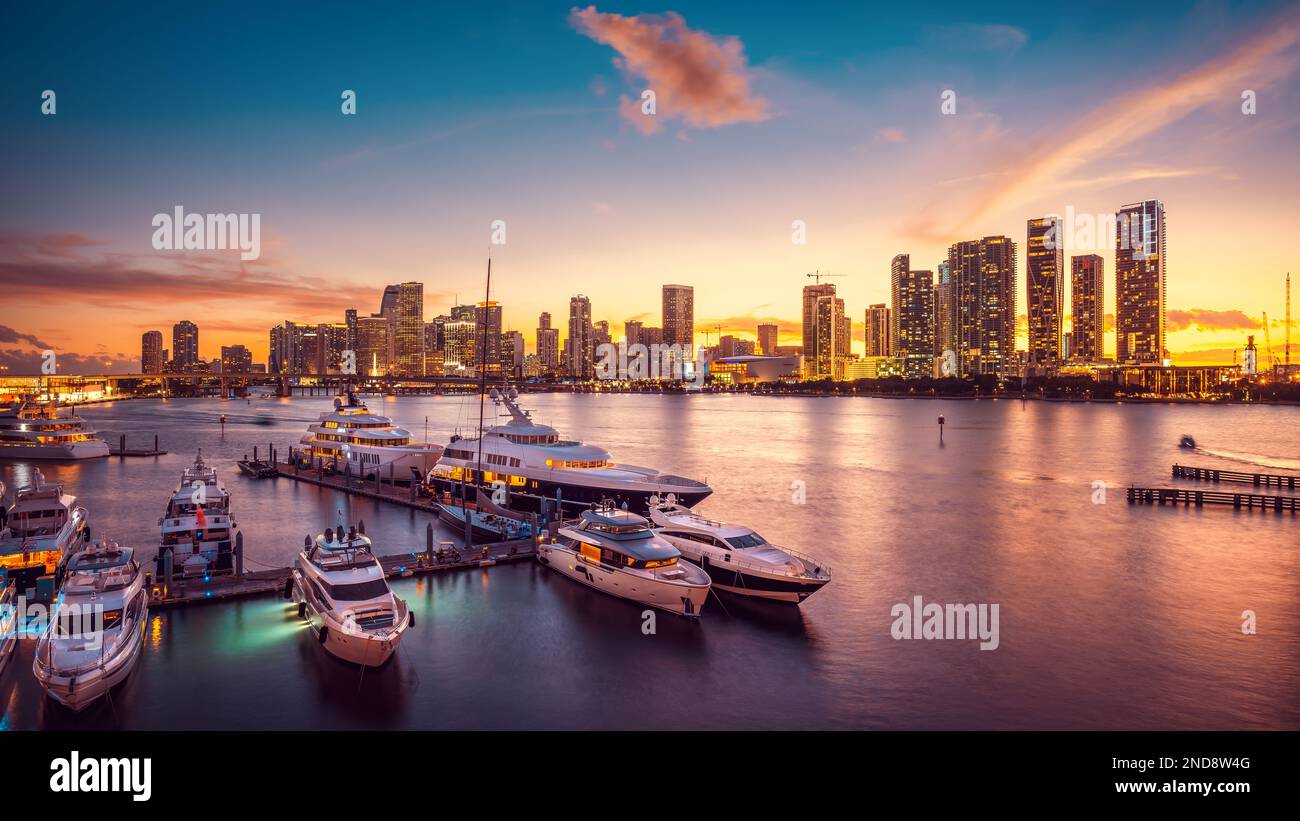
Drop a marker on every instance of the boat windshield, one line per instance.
(748, 540)
(359, 591)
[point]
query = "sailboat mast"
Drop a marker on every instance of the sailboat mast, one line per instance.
(482, 369)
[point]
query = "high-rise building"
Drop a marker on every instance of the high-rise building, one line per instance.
(679, 317)
(650, 335)
(350, 320)
(632, 332)
(828, 331)
(460, 344)
(1140, 283)
(185, 346)
(152, 359)
(767, 339)
(1045, 286)
(236, 359)
(487, 318)
(912, 317)
(945, 310)
(548, 346)
(812, 294)
(984, 280)
(375, 345)
(878, 323)
(578, 346)
(403, 304)
(1087, 308)
(512, 354)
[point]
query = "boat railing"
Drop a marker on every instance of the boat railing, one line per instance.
(45, 647)
(814, 568)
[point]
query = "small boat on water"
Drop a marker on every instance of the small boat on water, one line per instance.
(96, 630)
(616, 552)
(197, 527)
(1187, 442)
(484, 525)
(8, 624)
(341, 590)
(257, 469)
(737, 559)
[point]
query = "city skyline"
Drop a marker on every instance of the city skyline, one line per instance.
(595, 202)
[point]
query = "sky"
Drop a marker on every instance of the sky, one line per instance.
(531, 113)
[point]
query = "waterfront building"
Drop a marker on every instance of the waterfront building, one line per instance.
(878, 323)
(512, 354)
(185, 346)
(984, 280)
(632, 332)
(236, 359)
(1087, 308)
(487, 350)
(747, 368)
(813, 354)
(152, 358)
(912, 316)
(679, 317)
(945, 310)
(460, 342)
(548, 346)
(1045, 274)
(578, 345)
(767, 340)
(1140, 283)
(375, 345)
(403, 305)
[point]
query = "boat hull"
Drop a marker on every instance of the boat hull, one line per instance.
(79, 692)
(355, 648)
(93, 449)
(575, 498)
(674, 597)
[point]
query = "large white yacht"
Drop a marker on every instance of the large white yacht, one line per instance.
(367, 442)
(737, 559)
(31, 430)
(8, 623)
(96, 629)
(537, 469)
(616, 552)
(196, 525)
(42, 527)
(341, 590)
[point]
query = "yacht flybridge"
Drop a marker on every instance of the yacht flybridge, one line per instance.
(367, 443)
(616, 552)
(96, 630)
(42, 527)
(737, 559)
(196, 526)
(342, 592)
(31, 430)
(538, 469)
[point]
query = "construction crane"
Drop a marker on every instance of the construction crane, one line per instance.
(817, 275)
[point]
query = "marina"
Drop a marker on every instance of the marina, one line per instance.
(828, 662)
(1217, 475)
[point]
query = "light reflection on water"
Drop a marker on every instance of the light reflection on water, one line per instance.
(1111, 616)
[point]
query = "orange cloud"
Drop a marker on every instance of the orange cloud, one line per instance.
(1204, 319)
(696, 78)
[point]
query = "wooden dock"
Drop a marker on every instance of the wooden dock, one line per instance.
(1216, 475)
(1188, 497)
(266, 582)
(375, 489)
(123, 450)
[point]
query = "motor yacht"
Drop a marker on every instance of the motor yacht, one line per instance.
(96, 629)
(197, 526)
(42, 528)
(540, 472)
(367, 444)
(615, 551)
(342, 592)
(31, 430)
(737, 559)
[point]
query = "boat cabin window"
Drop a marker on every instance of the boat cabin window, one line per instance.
(74, 622)
(748, 540)
(601, 527)
(358, 591)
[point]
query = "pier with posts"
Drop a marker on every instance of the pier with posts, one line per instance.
(123, 450)
(1191, 497)
(1216, 475)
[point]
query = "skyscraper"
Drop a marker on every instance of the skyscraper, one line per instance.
(578, 345)
(812, 294)
(878, 324)
(828, 360)
(236, 359)
(487, 318)
(185, 345)
(945, 310)
(632, 332)
(350, 320)
(403, 304)
(151, 352)
(548, 345)
(374, 345)
(1045, 275)
(984, 280)
(767, 336)
(1140, 282)
(460, 342)
(1087, 308)
(679, 317)
(912, 317)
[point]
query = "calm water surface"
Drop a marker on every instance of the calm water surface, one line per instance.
(1110, 616)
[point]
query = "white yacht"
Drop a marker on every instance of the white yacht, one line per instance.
(368, 443)
(616, 552)
(197, 527)
(341, 590)
(31, 430)
(8, 623)
(737, 559)
(538, 469)
(96, 629)
(42, 527)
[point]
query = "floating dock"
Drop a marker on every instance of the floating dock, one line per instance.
(123, 450)
(1188, 497)
(1216, 475)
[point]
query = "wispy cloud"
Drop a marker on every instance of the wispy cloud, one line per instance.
(1204, 319)
(977, 37)
(698, 79)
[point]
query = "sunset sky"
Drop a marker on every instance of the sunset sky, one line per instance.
(530, 113)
